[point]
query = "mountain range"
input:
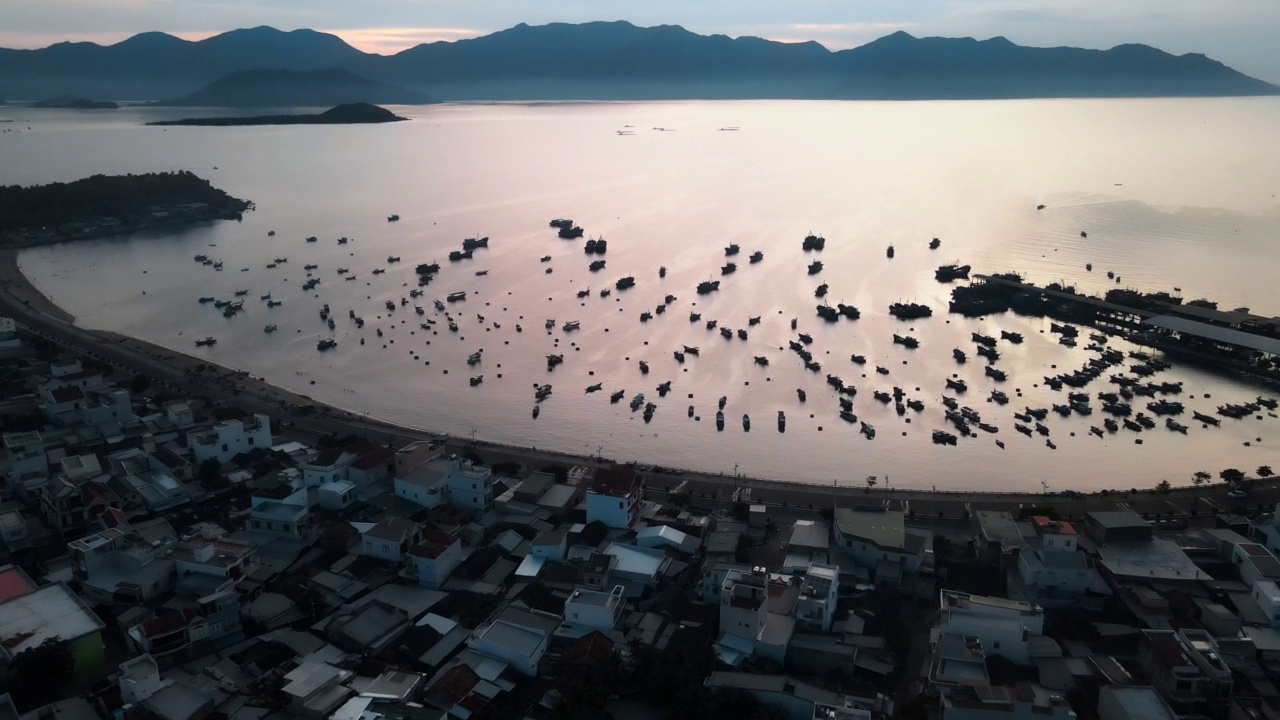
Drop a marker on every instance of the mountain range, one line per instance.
(618, 60)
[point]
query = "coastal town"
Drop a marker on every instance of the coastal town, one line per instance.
(175, 548)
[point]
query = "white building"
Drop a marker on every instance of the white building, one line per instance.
(337, 495)
(819, 594)
(614, 497)
(875, 535)
(1005, 627)
(283, 510)
(426, 484)
(390, 539)
(1255, 563)
(220, 561)
(435, 557)
(127, 565)
(1052, 572)
(230, 438)
(470, 486)
(1267, 594)
(589, 610)
(516, 637)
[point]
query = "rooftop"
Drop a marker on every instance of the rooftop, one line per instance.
(999, 526)
(876, 524)
(49, 611)
(1117, 519)
(1156, 559)
(1136, 702)
(434, 544)
(813, 534)
(392, 528)
(1216, 333)
(618, 481)
(1045, 526)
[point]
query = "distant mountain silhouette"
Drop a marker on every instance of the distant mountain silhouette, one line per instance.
(294, 88)
(350, 114)
(610, 60)
(66, 102)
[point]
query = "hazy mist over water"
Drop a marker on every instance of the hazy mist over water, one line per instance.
(1172, 193)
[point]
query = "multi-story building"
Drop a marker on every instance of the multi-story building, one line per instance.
(875, 538)
(590, 610)
(125, 565)
(230, 438)
(1005, 627)
(614, 497)
(281, 510)
(819, 594)
(390, 539)
(217, 564)
(470, 486)
(435, 557)
(1053, 572)
(28, 465)
(1185, 668)
(1023, 701)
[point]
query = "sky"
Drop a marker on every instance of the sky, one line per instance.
(1240, 33)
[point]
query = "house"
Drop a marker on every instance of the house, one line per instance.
(314, 689)
(1003, 627)
(31, 616)
(337, 495)
(1185, 667)
(414, 455)
(371, 467)
(800, 701)
(165, 460)
(179, 635)
(1255, 563)
(1119, 702)
(207, 563)
(367, 628)
(636, 568)
(614, 496)
(1267, 594)
(819, 593)
(435, 557)
(141, 686)
(875, 538)
(551, 545)
(1014, 702)
(997, 538)
(516, 637)
(230, 438)
(426, 484)
(62, 505)
(28, 465)
(1114, 526)
(280, 509)
(470, 486)
(587, 611)
(390, 539)
(1053, 572)
(126, 564)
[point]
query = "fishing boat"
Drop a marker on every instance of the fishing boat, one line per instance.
(596, 265)
(554, 360)
(1175, 426)
(757, 256)
(726, 332)
(1012, 337)
(731, 250)
(614, 398)
(456, 296)
(719, 420)
(206, 341)
(326, 344)
(906, 341)
(761, 360)
(999, 397)
(690, 350)
(708, 286)
(474, 358)
(664, 388)
(821, 291)
(637, 401)
(476, 380)
(934, 243)
(959, 355)
(571, 232)
(393, 218)
(995, 374)
(815, 267)
(947, 273)
(882, 370)
(624, 283)
(858, 359)
(742, 334)
(957, 384)
(813, 242)
(646, 316)
(746, 423)
(542, 392)
(570, 326)
(559, 223)
(828, 313)
(536, 409)
(728, 268)
(644, 367)
(942, 437)
(662, 271)
(207, 299)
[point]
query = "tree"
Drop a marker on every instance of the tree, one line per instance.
(1163, 486)
(41, 671)
(210, 469)
(1231, 475)
(1200, 477)
(871, 481)
(1264, 471)
(140, 384)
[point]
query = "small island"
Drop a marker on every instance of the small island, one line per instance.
(351, 114)
(110, 205)
(67, 102)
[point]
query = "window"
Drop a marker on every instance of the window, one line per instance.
(224, 447)
(996, 645)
